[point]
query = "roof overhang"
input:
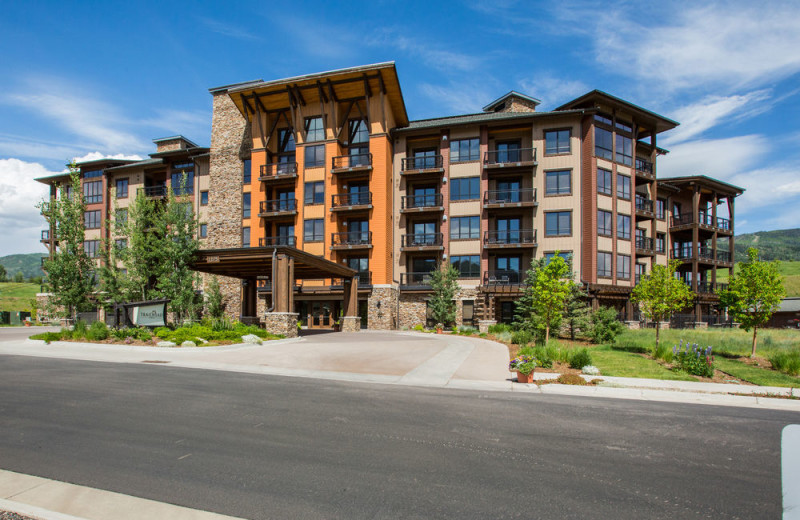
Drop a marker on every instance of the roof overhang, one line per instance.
(644, 117)
(706, 182)
(251, 262)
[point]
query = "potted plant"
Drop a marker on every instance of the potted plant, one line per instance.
(524, 366)
(439, 328)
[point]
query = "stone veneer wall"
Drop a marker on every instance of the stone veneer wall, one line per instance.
(413, 307)
(464, 294)
(383, 318)
(228, 145)
(515, 104)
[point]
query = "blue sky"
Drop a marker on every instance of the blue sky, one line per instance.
(89, 79)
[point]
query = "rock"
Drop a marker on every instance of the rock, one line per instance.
(251, 339)
(188, 344)
(166, 344)
(201, 340)
(590, 370)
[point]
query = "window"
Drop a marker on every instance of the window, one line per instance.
(661, 243)
(358, 131)
(603, 144)
(603, 264)
(246, 236)
(122, 188)
(465, 188)
(641, 270)
(204, 198)
(622, 125)
(315, 156)
(91, 247)
(203, 230)
(426, 158)
(468, 312)
(558, 223)
(465, 227)
(93, 191)
(661, 208)
(91, 219)
(465, 150)
(91, 174)
(624, 150)
(602, 118)
(604, 181)
(246, 166)
(566, 255)
(624, 267)
(314, 130)
(604, 222)
(314, 193)
(313, 230)
(556, 142)
(623, 186)
(286, 140)
(359, 263)
(245, 205)
(467, 266)
(558, 182)
(179, 170)
(624, 227)
(121, 216)
(121, 243)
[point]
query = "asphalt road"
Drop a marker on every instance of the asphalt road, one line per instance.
(273, 447)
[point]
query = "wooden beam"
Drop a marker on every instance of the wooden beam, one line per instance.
(367, 90)
(322, 100)
(322, 96)
(344, 119)
(299, 95)
(332, 91)
(260, 124)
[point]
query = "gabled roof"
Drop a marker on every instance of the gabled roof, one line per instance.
(191, 143)
(595, 97)
(491, 106)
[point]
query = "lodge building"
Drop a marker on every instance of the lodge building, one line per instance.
(329, 164)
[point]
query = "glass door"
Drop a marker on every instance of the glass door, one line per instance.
(508, 230)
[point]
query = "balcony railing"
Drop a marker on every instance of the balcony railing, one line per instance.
(422, 240)
(357, 160)
(704, 219)
(723, 256)
(644, 204)
(154, 191)
(361, 198)
(364, 279)
(427, 162)
(512, 156)
(703, 253)
(708, 287)
(503, 276)
(644, 243)
(277, 170)
(521, 236)
(433, 200)
(644, 166)
(285, 240)
(724, 224)
(524, 195)
(277, 206)
(415, 279)
(45, 235)
(351, 238)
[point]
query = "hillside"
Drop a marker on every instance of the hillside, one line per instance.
(782, 244)
(17, 296)
(30, 264)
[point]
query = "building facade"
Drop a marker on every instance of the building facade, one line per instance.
(329, 163)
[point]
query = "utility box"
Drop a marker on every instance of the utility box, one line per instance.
(5, 317)
(18, 317)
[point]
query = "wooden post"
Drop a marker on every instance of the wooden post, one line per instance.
(280, 286)
(351, 297)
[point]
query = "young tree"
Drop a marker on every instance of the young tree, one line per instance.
(3, 273)
(754, 293)
(69, 268)
(142, 256)
(19, 277)
(444, 283)
(660, 293)
(113, 281)
(576, 311)
(548, 285)
(214, 305)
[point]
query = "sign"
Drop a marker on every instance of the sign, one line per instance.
(212, 260)
(150, 315)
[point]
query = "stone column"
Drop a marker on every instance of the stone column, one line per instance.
(284, 323)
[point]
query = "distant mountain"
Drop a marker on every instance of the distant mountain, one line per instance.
(30, 264)
(782, 244)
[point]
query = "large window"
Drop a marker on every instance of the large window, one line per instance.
(624, 267)
(465, 227)
(603, 264)
(204, 198)
(91, 219)
(246, 236)
(661, 208)
(558, 182)
(246, 205)
(92, 174)
(604, 181)
(314, 129)
(467, 266)
(314, 193)
(91, 247)
(641, 271)
(556, 142)
(466, 188)
(286, 140)
(246, 165)
(566, 255)
(315, 156)
(121, 243)
(178, 171)
(203, 230)
(93, 191)
(558, 223)
(358, 132)
(122, 188)
(465, 150)
(624, 227)
(624, 150)
(314, 230)
(604, 219)
(623, 186)
(603, 143)
(661, 243)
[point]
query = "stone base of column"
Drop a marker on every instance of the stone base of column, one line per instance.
(284, 323)
(351, 323)
(699, 325)
(483, 325)
(633, 325)
(664, 325)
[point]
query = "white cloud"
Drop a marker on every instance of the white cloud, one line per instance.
(719, 158)
(230, 30)
(94, 156)
(19, 194)
(433, 55)
(551, 90)
(458, 97)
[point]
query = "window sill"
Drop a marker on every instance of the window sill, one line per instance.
(604, 235)
(560, 154)
(558, 236)
(558, 194)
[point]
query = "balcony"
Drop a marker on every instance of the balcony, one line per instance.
(286, 240)
(704, 221)
(708, 287)
(45, 235)
(704, 254)
(644, 169)
(421, 203)
(501, 199)
(422, 242)
(644, 246)
(355, 163)
(277, 208)
(421, 165)
(515, 158)
(351, 240)
(415, 280)
(280, 171)
(351, 201)
(509, 239)
(153, 191)
(364, 280)
(503, 277)
(644, 207)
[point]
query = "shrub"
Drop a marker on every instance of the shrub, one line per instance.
(79, 330)
(540, 353)
(418, 327)
(580, 358)
(695, 361)
(497, 328)
(97, 331)
(466, 330)
(663, 352)
(521, 337)
(786, 362)
(571, 379)
(47, 337)
(631, 345)
(605, 326)
(503, 336)
(590, 370)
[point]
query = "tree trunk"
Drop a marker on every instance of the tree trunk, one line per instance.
(658, 329)
(753, 353)
(546, 334)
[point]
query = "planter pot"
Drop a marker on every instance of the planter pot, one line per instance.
(438, 331)
(524, 378)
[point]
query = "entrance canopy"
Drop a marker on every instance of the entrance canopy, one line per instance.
(251, 262)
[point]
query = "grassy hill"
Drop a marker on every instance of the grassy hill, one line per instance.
(790, 271)
(782, 244)
(17, 296)
(30, 264)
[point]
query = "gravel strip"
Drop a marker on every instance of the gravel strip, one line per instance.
(8, 515)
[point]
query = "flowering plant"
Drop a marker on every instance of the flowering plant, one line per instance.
(523, 364)
(694, 360)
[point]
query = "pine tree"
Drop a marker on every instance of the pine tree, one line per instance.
(577, 311)
(444, 283)
(214, 305)
(142, 256)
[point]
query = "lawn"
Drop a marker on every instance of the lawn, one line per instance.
(627, 364)
(789, 270)
(17, 296)
(728, 342)
(756, 375)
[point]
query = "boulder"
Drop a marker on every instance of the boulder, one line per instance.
(188, 344)
(166, 344)
(251, 339)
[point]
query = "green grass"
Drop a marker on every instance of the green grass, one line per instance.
(728, 342)
(17, 296)
(789, 270)
(627, 364)
(756, 375)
